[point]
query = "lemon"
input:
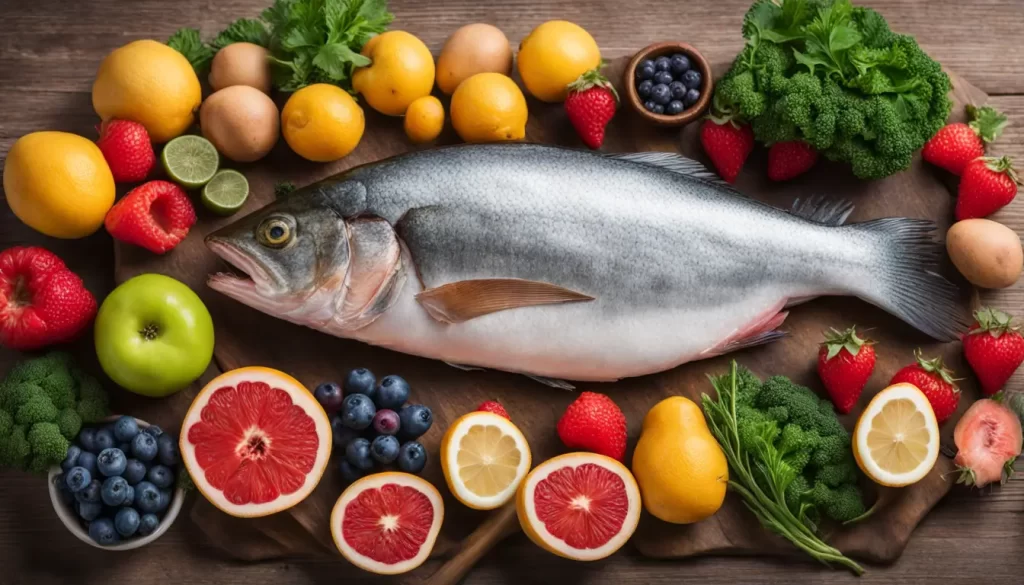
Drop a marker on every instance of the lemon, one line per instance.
(489, 107)
(150, 83)
(896, 440)
(322, 122)
(424, 119)
(553, 55)
(484, 458)
(58, 184)
(402, 71)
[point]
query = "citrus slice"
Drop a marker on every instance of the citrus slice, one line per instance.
(581, 506)
(387, 523)
(190, 160)
(484, 457)
(896, 440)
(255, 442)
(226, 192)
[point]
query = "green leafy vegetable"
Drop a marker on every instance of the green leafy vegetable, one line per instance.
(188, 42)
(243, 30)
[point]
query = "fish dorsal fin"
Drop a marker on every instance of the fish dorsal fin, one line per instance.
(676, 163)
(463, 300)
(823, 210)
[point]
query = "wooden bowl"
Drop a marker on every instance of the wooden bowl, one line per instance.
(666, 49)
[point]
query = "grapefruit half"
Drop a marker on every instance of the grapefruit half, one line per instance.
(387, 523)
(255, 442)
(581, 506)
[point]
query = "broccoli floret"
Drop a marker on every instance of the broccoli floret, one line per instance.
(15, 394)
(47, 444)
(14, 451)
(69, 422)
(831, 449)
(840, 504)
(38, 409)
(60, 387)
(837, 474)
(89, 388)
(6, 424)
(92, 410)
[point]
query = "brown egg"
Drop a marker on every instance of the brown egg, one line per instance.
(241, 121)
(240, 64)
(474, 48)
(987, 253)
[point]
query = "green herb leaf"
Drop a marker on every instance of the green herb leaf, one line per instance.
(337, 60)
(243, 30)
(188, 42)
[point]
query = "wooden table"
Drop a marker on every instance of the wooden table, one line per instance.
(49, 52)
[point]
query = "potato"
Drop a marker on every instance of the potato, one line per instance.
(474, 48)
(241, 121)
(240, 64)
(987, 253)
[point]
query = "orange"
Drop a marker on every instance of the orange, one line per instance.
(424, 119)
(489, 107)
(553, 56)
(402, 71)
(322, 122)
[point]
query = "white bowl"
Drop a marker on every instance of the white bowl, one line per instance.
(73, 523)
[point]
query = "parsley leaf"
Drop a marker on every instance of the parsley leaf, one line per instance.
(243, 30)
(188, 42)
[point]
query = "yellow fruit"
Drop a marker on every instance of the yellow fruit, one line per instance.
(680, 467)
(58, 184)
(553, 56)
(484, 458)
(402, 72)
(896, 440)
(424, 119)
(322, 122)
(150, 83)
(489, 107)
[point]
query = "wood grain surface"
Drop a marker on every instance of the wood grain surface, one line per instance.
(48, 54)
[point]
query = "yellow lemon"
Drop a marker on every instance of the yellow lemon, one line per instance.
(402, 72)
(484, 458)
(424, 119)
(58, 184)
(553, 56)
(489, 107)
(150, 83)
(322, 122)
(896, 440)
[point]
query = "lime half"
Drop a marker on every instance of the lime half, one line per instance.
(226, 192)
(190, 160)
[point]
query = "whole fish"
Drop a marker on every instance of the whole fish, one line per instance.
(564, 264)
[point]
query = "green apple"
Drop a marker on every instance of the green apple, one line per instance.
(154, 335)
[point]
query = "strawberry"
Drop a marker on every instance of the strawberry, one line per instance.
(590, 105)
(994, 347)
(845, 362)
(594, 423)
(728, 145)
(495, 407)
(787, 160)
(125, 145)
(41, 301)
(987, 185)
(155, 215)
(955, 145)
(937, 383)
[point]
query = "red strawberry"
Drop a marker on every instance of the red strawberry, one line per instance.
(594, 423)
(155, 215)
(728, 145)
(495, 407)
(41, 301)
(937, 383)
(590, 106)
(994, 347)
(987, 185)
(955, 145)
(845, 362)
(787, 160)
(125, 145)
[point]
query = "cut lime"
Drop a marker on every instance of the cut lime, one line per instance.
(190, 160)
(226, 192)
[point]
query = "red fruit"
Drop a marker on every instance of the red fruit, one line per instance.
(845, 362)
(155, 215)
(125, 145)
(994, 347)
(590, 105)
(495, 407)
(986, 186)
(594, 423)
(41, 301)
(988, 441)
(955, 145)
(937, 383)
(787, 160)
(728, 145)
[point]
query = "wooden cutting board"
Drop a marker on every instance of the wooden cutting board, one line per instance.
(247, 337)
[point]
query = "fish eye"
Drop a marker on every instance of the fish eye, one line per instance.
(274, 232)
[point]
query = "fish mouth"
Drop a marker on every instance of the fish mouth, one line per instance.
(247, 278)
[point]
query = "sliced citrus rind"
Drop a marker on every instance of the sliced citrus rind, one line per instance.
(896, 440)
(255, 442)
(484, 458)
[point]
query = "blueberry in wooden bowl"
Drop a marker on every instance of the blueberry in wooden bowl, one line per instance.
(669, 83)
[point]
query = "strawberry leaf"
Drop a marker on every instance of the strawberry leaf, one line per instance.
(987, 122)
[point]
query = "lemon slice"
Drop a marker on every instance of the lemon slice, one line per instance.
(484, 457)
(896, 441)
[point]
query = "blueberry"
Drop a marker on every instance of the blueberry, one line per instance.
(645, 70)
(663, 77)
(165, 500)
(147, 497)
(77, 478)
(643, 89)
(692, 97)
(87, 439)
(349, 472)
(650, 105)
(71, 459)
(659, 109)
(144, 447)
(360, 381)
(677, 89)
(392, 392)
(412, 457)
(384, 449)
(134, 471)
(89, 511)
(329, 396)
(153, 430)
(102, 531)
(674, 107)
(125, 429)
(661, 94)
(160, 476)
(87, 460)
(129, 497)
(111, 462)
(341, 434)
(114, 491)
(357, 411)
(662, 63)
(386, 422)
(679, 64)
(691, 79)
(358, 454)
(166, 450)
(104, 440)
(90, 493)
(148, 524)
(416, 420)
(126, 522)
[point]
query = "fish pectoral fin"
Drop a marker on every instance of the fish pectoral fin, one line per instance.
(460, 301)
(823, 210)
(766, 332)
(553, 382)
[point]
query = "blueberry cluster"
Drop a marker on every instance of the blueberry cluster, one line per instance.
(119, 479)
(668, 85)
(372, 425)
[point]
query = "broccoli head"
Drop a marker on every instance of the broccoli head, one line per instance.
(15, 449)
(38, 409)
(89, 388)
(6, 424)
(92, 410)
(47, 444)
(60, 387)
(69, 422)
(14, 394)
(840, 504)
